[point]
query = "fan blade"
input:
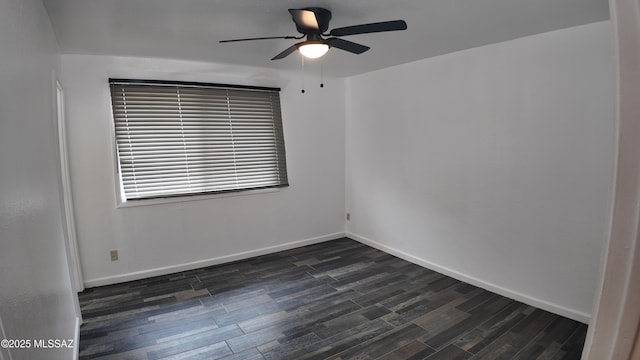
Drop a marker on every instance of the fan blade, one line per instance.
(305, 20)
(287, 52)
(370, 28)
(261, 38)
(347, 45)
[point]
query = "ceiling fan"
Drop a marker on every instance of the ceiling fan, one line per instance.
(313, 22)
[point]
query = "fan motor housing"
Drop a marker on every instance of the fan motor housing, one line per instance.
(323, 17)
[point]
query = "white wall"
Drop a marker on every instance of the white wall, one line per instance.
(36, 295)
(492, 164)
(164, 238)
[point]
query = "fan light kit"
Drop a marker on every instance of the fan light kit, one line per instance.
(313, 50)
(313, 22)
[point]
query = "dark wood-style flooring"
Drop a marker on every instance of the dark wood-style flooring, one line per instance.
(334, 300)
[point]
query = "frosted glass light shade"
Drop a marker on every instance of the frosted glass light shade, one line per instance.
(313, 51)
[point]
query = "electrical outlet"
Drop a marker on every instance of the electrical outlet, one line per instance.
(348, 216)
(114, 255)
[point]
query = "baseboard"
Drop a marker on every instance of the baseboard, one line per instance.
(108, 280)
(524, 298)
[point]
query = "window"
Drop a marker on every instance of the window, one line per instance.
(177, 139)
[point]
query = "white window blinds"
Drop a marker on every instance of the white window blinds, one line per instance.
(177, 139)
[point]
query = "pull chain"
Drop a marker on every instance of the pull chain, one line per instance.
(321, 72)
(302, 57)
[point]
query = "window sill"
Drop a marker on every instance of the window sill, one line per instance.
(177, 199)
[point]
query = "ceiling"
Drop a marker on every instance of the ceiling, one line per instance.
(191, 29)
